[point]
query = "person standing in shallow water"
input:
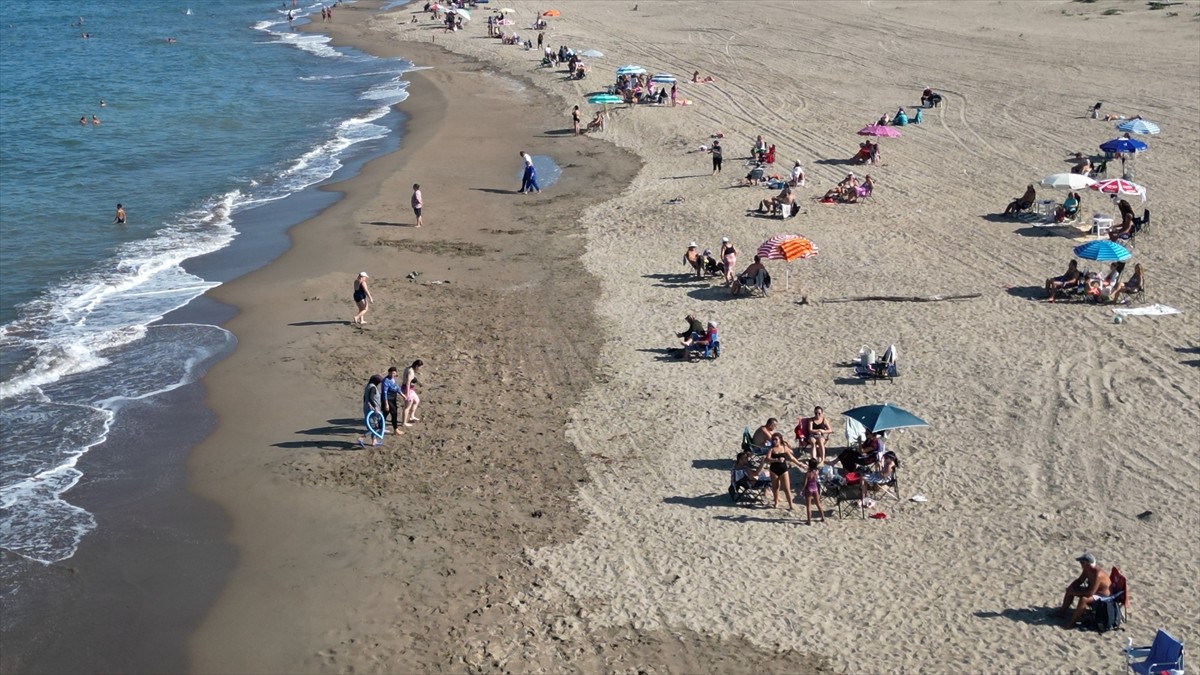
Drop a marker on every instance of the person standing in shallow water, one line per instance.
(362, 296)
(119, 219)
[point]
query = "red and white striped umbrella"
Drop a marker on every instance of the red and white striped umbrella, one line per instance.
(787, 247)
(1119, 186)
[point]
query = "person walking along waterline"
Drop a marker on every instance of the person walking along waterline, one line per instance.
(391, 399)
(362, 296)
(372, 404)
(418, 203)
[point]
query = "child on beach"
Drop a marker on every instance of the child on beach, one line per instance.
(812, 491)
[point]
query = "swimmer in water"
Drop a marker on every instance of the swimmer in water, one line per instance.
(95, 121)
(170, 40)
(120, 219)
(83, 120)
(102, 103)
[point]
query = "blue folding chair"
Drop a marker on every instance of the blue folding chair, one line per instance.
(1165, 654)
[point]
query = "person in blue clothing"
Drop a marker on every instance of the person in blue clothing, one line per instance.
(391, 398)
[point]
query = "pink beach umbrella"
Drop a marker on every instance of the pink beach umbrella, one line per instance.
(1119, 186)
(878, 130)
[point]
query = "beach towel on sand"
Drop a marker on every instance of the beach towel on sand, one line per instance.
(1150, 310)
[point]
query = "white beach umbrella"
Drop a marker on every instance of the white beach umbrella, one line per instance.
(506, 10)
(461, 12)
(592, 53)
(1067, 181)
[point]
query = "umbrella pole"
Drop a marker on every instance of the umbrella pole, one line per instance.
(787, 277)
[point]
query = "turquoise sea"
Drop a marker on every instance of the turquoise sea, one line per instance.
(231, 117)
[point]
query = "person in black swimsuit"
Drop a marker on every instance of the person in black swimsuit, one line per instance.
(362, 295)
(779, 456)
(818, 432)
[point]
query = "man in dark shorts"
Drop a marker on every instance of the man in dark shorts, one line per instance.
(417, 203)
(120, 218)
(391, 396)
(716, 156)
(1091, 583)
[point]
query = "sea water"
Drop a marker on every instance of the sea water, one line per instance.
(209, 110)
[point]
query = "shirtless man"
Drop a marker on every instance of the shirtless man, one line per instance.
(747, 276)
(1092, 583)
(120, 217)
(762, 435)
(775, 204)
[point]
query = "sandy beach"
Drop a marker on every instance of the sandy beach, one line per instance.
(562, 504)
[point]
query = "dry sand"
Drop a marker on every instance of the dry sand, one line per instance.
(1051, 427)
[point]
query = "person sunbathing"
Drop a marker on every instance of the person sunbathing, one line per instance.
(702, 338)
(692, 257)
(756, 176)
(1091, 583)
(1068, 280)
(696, 79)
(818, 433)
(844, 191)
(864, 153)
(1124, 230)
(1022, 203)
(1137, 281)
(1099, 287)
(761, 437)
(1068, 209)
(775, 204)
(749, 276)
(597, 123)
(797, 178)
(1083, 168)
(884, 121)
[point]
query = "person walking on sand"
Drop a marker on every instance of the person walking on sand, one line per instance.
(372, 404)
(390, 396)
(716, 157)
(119, 219)
(408, 387)
(575, 119)
(527, 171)
(362, 296)
(417, 203)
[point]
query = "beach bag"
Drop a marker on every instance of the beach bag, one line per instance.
(1106, 615)
(866, 357)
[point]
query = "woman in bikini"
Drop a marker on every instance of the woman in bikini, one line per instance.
(812, 491)
(779, 457)
(362, 296)
(818, 432)
(729, 259)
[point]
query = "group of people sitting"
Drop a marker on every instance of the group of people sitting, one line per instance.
(900, 119)
(697, 335)
(868, 153)
(1094, 286)
(849, 190)
(770, 456)
(704, 264)
(761, 153)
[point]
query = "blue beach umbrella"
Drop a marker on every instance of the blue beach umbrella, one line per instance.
(631, 70)
(1103, 250)
(1124, 145)
(663, 78)
(1138, 127)
(883, 417)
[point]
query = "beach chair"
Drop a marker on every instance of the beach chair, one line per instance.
(748, 443)
(1166, 654)
(704, 350)
(746, 488)
(1099, 170)
(882, 369)
(879, 485)
(788, 210)
(862, 193)
(801, 431)
(1140, 225)
(761, 283)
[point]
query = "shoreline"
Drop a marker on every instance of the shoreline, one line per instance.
(364, 559)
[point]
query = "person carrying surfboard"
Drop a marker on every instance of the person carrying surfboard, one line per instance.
(372, 411)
